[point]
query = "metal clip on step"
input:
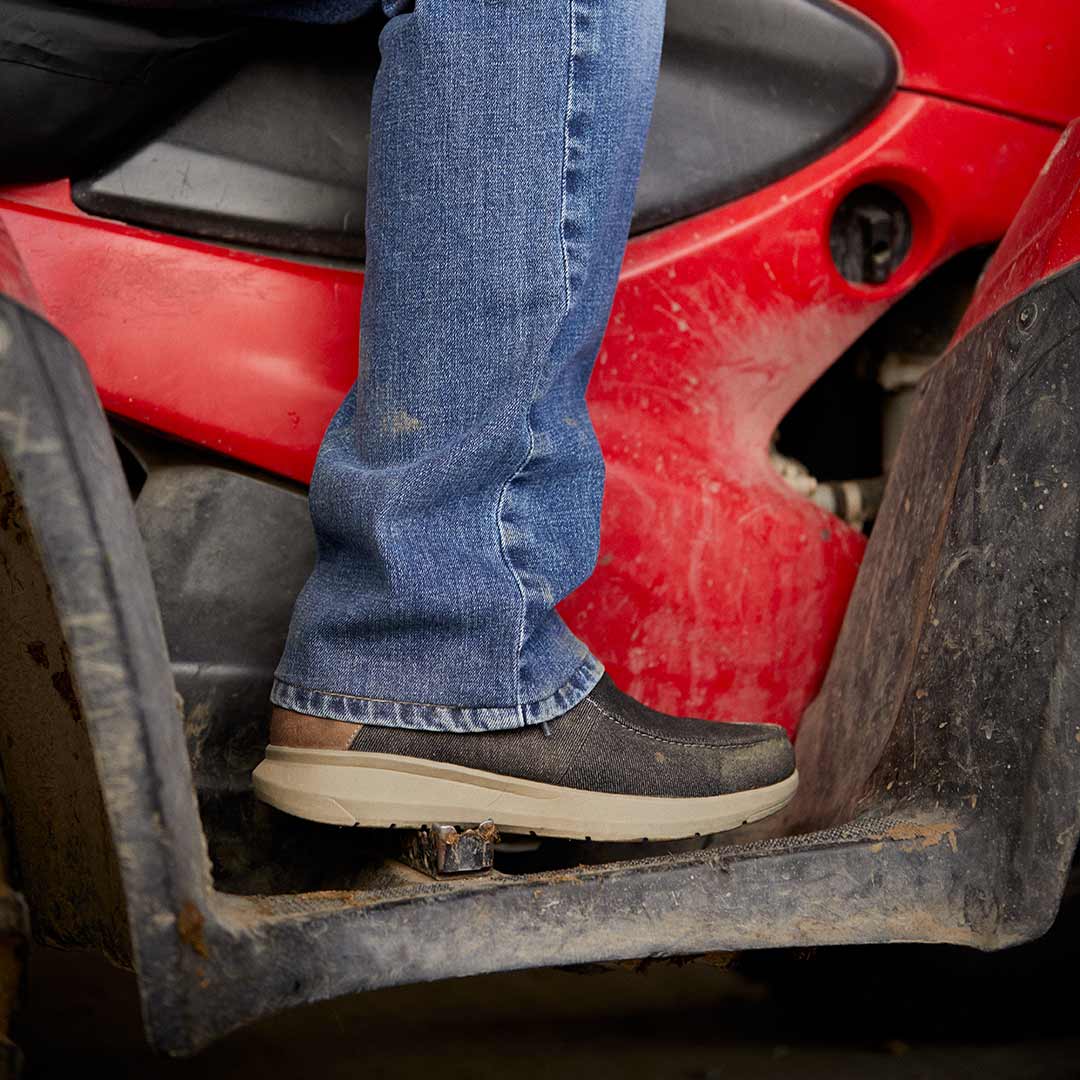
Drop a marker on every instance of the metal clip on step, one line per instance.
(443, 850)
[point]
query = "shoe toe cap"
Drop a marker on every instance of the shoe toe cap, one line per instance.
(766, 758)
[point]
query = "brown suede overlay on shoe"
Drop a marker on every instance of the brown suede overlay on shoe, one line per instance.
(295, 729)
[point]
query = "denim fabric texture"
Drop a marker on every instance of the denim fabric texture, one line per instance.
(456, 497)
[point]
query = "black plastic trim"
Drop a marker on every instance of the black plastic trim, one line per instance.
(276, 157)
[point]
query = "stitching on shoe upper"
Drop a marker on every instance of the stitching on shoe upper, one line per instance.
(672, 742)
(572, 758)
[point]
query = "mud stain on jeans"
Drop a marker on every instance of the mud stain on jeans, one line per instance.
(401, 422)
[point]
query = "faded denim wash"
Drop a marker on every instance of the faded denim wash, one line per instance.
(456, 497)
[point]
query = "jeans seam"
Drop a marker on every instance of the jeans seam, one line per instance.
(564, 194)
(565, 259)
(375, 700)
(519, 706)
(510, 566)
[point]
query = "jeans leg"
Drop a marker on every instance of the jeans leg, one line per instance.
(456, 497)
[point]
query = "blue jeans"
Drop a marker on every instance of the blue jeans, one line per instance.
(456, 497)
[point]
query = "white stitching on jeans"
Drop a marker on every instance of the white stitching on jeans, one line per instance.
(565, 253)
(572, 17)
(586, 663)
(510, 566)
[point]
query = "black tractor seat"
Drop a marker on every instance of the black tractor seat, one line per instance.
(254, 132)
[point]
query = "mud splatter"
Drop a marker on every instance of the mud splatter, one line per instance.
(63, 685)
(402, 422)
(922, 836)
(189, 925)
(38, 653)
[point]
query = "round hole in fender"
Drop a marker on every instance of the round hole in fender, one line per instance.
(870, 235)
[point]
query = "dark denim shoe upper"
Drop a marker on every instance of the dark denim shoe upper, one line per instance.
(610, 743)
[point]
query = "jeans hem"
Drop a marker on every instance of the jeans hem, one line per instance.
(420, 716)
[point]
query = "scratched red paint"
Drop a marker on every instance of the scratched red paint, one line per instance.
(719, 591)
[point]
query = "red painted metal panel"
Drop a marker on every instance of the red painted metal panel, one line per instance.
(718, 591)
(14, 280)
(1018, 56)
(1043, 238)
(243, 354)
